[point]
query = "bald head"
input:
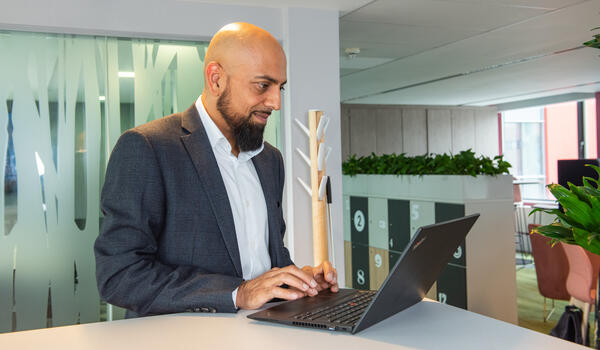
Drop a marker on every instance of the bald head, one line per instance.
(239, 45)
(244, 73)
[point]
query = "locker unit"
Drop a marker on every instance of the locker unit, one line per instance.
(383, 212)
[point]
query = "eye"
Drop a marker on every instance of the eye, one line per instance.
(262, 86)
(282, 88)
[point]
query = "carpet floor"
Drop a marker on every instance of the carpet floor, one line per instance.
(530, 303)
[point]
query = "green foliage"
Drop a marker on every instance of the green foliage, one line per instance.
(580, 221)
(595, 43)
(464, 163)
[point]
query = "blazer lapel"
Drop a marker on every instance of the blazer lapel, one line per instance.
(264, 169)
(198, 147)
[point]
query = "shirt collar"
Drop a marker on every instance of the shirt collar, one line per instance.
(216, 138)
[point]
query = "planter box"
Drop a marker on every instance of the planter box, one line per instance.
(382, 212)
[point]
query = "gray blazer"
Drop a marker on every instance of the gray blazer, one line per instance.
(167, 241)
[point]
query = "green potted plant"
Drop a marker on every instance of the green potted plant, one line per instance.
(579, 223)
(463, 163)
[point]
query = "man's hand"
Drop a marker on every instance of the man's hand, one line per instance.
(255, 293)
(325, 275)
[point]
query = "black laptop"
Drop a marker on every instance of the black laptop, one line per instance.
(353, 310)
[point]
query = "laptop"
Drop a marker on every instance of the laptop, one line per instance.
(352, 310)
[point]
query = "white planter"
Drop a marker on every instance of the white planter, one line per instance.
(482, 279)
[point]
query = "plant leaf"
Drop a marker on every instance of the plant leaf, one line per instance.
(574, 208)
(555, 231)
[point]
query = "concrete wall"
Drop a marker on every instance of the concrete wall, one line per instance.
(416, 130)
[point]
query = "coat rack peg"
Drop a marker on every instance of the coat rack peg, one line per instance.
(304, 156)
(302, 127)
(306, 187)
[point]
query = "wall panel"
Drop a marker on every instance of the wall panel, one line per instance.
(439, 131)
(388, 131)
(362, 132)
(463, 130)
(414, 131)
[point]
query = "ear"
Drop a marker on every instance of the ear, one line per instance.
(214, 78)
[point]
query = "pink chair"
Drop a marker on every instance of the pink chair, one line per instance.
(582, 279)
(551, 269)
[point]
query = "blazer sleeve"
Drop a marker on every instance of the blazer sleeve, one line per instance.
(285, 254)
(128, 271)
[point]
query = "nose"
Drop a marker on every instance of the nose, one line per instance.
(273, 98)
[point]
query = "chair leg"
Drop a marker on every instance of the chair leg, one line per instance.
(584, 322)
(544, 318)
(551, 311)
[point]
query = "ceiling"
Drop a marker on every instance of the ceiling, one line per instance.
(461, 52)
(468, 52)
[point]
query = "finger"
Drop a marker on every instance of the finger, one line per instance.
(308, 269)
(306, 277)
(300, 292)
(286, 294)
(292, 281)
(328, 271)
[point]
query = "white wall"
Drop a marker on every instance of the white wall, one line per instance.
(416, 130)
(310, 38)
(312, 42)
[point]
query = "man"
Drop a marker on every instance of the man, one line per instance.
(192, 201)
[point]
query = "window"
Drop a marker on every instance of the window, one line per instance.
(534, 139)
(523, 147)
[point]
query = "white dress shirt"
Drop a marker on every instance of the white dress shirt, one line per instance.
(246, 198)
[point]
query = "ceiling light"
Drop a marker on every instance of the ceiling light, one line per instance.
(126, 75)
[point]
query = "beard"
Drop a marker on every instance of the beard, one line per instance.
(247, 134)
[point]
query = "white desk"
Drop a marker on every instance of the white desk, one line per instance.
(427, 325)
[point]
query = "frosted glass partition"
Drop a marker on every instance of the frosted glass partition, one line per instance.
(64, 101)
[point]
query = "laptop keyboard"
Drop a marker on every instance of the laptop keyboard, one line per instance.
(345, 312)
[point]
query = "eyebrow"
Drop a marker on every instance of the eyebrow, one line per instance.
(269, 78)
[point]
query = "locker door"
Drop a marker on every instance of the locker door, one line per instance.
(421, 214)
(360, 266)
(451, 286)
(449, 211)
(378, 223)
(378, 266)
(359, 216)
(399, 221)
